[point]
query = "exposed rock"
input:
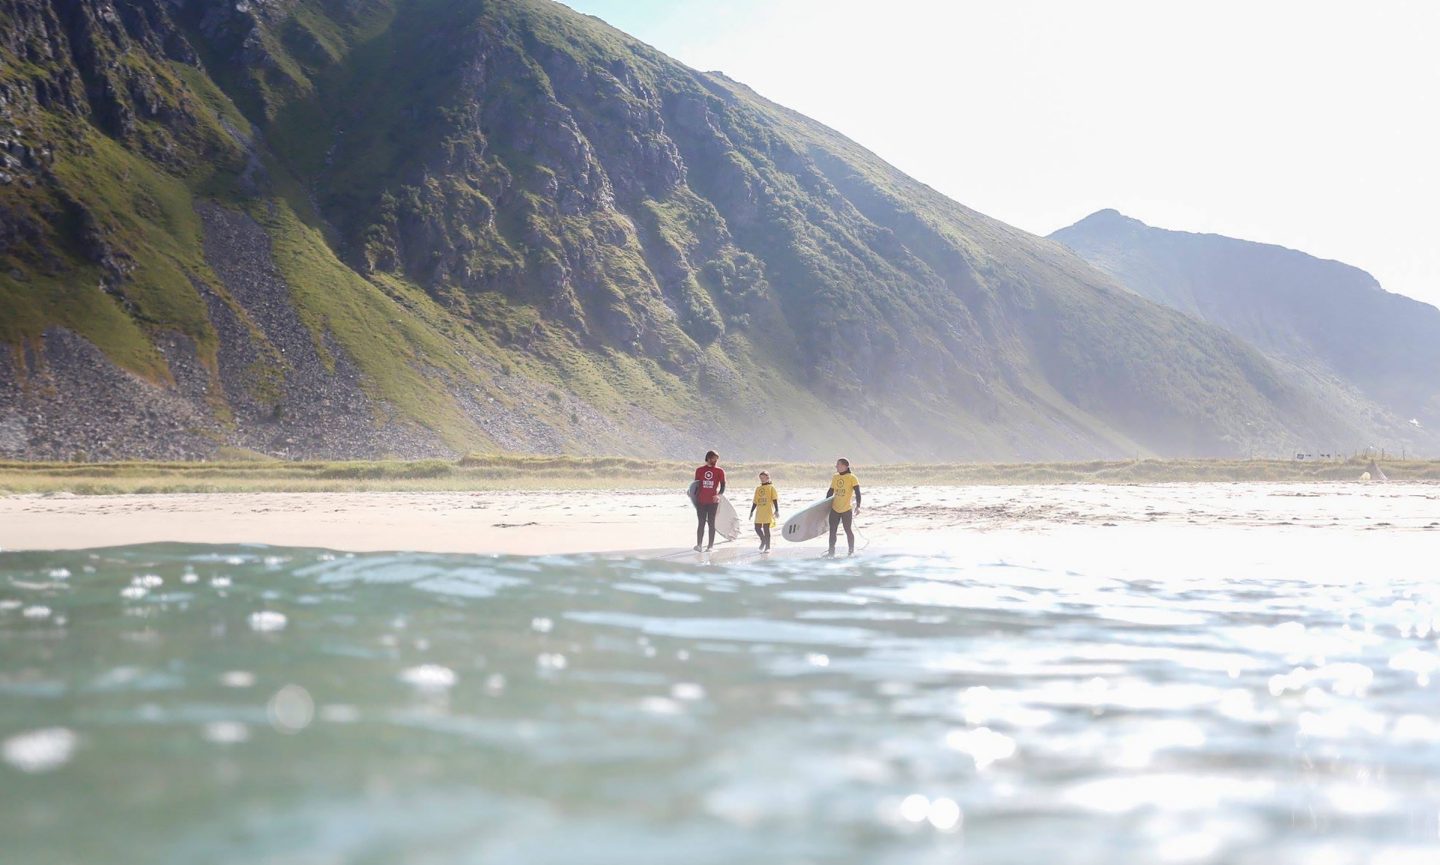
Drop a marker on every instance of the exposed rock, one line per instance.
(72, 403)
(286, 400)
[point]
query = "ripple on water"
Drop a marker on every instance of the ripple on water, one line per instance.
(942, 813)
(983, 745)
(37, 751)
(237, 679)
(744, 630)
(430, 677)
(267, 620)
(339, 713)
(881, 710)
(688, 691)
(225, 732)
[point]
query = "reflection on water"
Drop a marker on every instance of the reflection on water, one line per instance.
(238, 705)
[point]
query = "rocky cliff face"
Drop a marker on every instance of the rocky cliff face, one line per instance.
(360, 227)
(1322, 321)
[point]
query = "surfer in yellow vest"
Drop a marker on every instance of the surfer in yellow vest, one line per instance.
(845, 504)
(710, 480)
(764, 508)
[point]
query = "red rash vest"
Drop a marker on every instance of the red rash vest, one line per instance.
(710, 479)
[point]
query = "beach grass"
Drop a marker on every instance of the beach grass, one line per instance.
(241, 472)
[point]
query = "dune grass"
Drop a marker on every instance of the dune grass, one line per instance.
(246, 473)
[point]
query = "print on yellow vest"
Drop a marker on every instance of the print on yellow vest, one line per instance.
(844, 487)
(765, 500)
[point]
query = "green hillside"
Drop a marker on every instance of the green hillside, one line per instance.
(346, 228)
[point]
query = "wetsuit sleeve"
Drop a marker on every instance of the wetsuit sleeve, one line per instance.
(857, 497)
(720, 490)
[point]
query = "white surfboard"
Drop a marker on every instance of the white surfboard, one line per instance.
(727, 521)
(811, 522)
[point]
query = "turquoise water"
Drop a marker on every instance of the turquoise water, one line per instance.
(182, 704)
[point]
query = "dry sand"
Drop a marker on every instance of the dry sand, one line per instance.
(1325, 524)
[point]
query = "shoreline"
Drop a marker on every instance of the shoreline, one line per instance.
(656, 523)
(574, 474)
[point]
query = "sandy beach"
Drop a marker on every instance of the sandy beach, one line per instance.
(1006, 522)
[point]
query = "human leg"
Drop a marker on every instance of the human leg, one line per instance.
(848, 518)
(834, 527)
(710, 511)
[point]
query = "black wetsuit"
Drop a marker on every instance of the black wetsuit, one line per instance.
(846, 519)
(706, 514)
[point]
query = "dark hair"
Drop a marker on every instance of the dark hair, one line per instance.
(845, 461)
(711, 455)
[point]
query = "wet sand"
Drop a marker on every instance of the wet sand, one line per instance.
(1007, 521)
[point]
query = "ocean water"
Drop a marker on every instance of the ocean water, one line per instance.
(186, 704)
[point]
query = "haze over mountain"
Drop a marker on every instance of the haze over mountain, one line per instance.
(367, 227)
(1330, 323)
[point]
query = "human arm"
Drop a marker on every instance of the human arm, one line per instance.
(857, 499)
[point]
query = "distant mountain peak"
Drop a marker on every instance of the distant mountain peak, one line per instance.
(1109, 218)
(1327, 318)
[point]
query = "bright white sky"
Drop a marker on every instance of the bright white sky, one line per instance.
(1308, 123)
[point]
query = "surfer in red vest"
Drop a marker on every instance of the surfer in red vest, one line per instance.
(710, 480)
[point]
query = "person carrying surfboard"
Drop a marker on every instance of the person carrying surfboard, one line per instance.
(844, 505)
(711, 479)
(764, 509)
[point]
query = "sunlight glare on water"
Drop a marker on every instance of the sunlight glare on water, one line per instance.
(173, 704)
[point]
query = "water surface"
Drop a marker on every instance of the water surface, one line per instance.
(183, 704)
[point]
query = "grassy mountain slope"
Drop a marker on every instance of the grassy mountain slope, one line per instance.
(357, 227)
(1323, 319)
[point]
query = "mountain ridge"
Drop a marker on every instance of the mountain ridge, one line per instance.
(1110, 214)
(1315, 316)
(504, 226)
